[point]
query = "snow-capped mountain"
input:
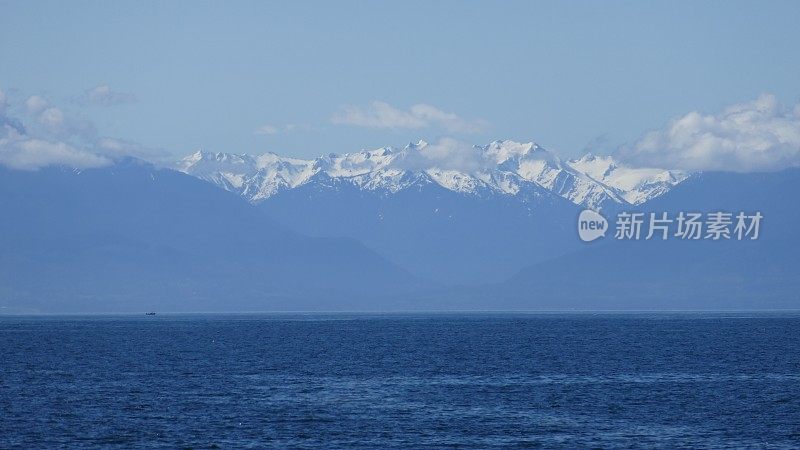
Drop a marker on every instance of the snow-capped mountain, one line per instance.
(637, 185)
(503, 167)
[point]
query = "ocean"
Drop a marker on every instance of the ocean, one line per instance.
(401, 381)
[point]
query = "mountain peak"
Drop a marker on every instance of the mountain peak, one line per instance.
(508, 150)
(503, 166)
(197, 156)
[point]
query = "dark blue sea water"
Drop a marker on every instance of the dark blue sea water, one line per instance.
(467, 381)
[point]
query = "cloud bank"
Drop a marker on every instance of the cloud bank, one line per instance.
(445, 154)
(269, 129)
(55, 122)
(760, 135)
(19, 151)
(383, 115)
(47, 135)
(103, 95)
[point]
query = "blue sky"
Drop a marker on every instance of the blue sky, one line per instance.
(305, 79)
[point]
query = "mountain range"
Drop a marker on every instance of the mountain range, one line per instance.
(500, 168)
(387, 229)
(476, 216)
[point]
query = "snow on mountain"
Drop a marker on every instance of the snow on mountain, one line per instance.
(254, 177)
(637, 185)
(501, 167)
(535, 164)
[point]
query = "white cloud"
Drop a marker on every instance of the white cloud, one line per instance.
(446, 154)
(59, 124)
(449, 121)
(36, 104)
(267, 129)
(756, 136)
(117, 148)
(297, 127)
(54, 121)
(383, 115)
(56, 137)
(19, 151)
(103, 95)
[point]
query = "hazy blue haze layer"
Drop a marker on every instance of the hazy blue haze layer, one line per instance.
(131, 238)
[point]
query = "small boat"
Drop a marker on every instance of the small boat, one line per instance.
(150, 314)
